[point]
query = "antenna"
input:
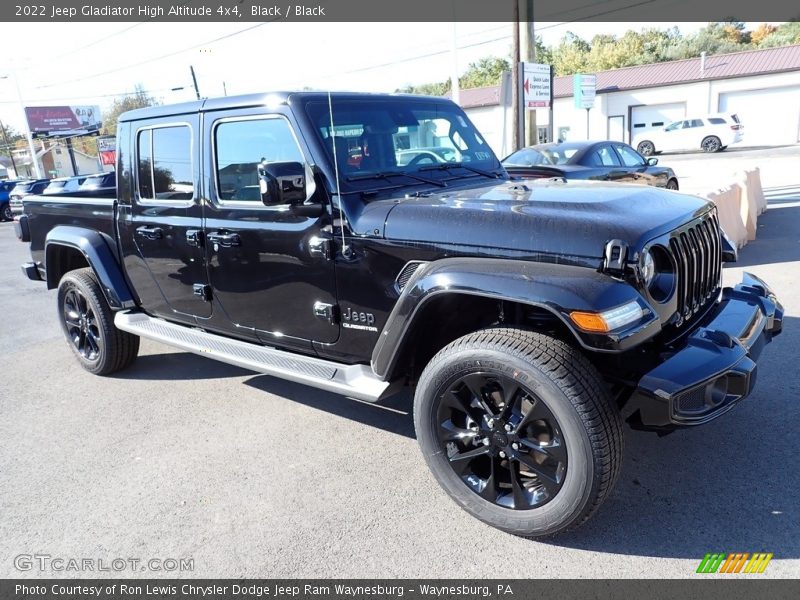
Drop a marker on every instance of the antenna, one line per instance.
(342, 212)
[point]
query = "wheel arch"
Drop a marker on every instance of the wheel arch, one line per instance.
(68, 248)
(451, 297)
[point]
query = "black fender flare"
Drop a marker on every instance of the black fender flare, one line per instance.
(95, 248)
(556, 288)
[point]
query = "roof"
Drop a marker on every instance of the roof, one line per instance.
(719, 66)
(262, 99)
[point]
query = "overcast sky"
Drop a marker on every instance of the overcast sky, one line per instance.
(90, 63)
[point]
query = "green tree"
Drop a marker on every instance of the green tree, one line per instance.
(785, 34)
(13, 136)
(571, 55)
(139, 98)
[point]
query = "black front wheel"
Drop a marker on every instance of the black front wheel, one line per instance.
(672, 184)
(518, 429)
(88, 324)
(5, 212)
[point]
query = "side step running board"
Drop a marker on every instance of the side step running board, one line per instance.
(355, 381)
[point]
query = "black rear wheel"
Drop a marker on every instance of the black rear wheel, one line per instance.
(518, 428)
(88, 324)
(646, 148)
(5, 212)
(711, 144)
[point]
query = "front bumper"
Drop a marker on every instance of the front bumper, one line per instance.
(716, 369)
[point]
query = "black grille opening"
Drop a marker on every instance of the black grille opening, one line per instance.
(698, 257)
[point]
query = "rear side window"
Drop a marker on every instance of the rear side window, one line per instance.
(605, 157)
(241, 145)
(716, 121)
(165, 163)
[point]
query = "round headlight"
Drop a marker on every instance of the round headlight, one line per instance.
(648, 268)
(658, 273)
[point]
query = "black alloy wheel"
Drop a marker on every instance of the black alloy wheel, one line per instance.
(81, 325)
(502, 441)
(88, 325)
(646, 148)
(711, 144)
(7, 215)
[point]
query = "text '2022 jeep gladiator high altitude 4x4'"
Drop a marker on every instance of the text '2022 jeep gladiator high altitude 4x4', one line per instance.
(281, 233)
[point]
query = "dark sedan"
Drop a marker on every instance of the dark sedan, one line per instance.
(601, 161)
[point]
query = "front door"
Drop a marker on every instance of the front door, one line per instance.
(269, 267)
(165, 216)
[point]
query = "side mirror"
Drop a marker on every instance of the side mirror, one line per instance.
(282, 183)
(652, 162)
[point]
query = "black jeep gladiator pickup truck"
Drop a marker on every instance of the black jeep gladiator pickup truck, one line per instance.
(282, 233)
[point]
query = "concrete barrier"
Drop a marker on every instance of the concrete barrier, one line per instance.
(728, 201)
(738, 206)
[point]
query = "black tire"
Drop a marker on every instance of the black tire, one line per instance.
(88, 325)
(711, 144)
(672, 184)
(5, 212)
(588, 426)
(646, 148)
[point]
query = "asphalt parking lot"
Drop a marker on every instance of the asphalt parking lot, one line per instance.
(182, 457)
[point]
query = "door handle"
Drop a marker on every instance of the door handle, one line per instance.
(151, 233)
(226, 240)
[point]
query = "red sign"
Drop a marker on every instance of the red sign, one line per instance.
(63, 120)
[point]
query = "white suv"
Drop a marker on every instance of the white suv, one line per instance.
(711, 133)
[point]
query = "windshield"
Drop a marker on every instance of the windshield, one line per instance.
(401, 135)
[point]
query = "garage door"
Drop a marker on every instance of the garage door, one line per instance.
(770, 117)
(655, 116)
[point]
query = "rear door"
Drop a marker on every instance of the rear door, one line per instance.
(163, 220)
(269, 268)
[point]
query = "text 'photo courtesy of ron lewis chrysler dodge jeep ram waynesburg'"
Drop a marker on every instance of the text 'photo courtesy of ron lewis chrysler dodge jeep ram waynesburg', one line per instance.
(282, 233)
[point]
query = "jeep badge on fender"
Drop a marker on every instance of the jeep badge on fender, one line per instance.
(532, 319)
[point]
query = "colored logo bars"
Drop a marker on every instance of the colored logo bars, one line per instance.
(735, 562)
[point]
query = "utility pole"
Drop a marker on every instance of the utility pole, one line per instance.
(528, 52)
(194, 81)
(10, 150)
(516, 101)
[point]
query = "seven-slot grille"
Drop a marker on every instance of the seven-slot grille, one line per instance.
(698, 258)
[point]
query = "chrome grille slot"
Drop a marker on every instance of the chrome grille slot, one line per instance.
(697, 254)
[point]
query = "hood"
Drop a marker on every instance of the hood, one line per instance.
(573, 218)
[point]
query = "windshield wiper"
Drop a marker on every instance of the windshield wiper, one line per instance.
(458, 165)
(387, 174)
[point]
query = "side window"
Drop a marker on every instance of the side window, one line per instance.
(145, 153)
(240, 146)
(605, 157)
(630, 158)
(675, 126)
(165, 163)
(716, 121)
(696, 123)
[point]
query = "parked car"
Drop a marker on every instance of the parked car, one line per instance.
(712, 133)
(63, 185)
(100, 182)
(22, 189)
(601, 161)
(531, 323)
(5, 195)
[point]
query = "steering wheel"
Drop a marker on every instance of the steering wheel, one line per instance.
(419, 158)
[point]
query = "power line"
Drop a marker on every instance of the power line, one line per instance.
(155, 58)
